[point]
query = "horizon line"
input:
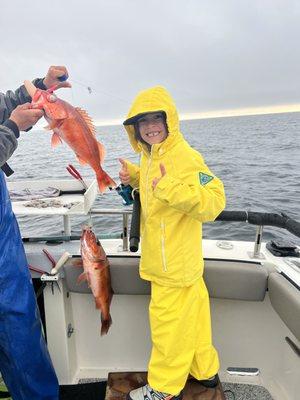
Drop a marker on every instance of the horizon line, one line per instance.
(237, 112)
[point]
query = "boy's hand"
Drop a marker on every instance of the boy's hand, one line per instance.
(54, 72)
(25, 117)
(124, 174)
(163, 173)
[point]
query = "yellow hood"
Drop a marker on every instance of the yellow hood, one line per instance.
(154, 99)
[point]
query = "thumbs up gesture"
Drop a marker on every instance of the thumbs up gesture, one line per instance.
(163, 173)
(123, 173)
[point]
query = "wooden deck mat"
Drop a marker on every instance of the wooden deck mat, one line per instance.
(120, 383)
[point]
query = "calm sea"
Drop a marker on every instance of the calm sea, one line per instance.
(257, 158)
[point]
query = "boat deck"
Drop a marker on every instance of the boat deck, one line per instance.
(120, 383)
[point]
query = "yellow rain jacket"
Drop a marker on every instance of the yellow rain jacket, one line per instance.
(172, 214)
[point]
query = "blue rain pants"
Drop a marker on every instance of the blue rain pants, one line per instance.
(25, 363)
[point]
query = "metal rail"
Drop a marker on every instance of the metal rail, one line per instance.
(253, 218)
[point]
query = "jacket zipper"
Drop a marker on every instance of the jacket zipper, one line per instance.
(147, 179)
(163, 241)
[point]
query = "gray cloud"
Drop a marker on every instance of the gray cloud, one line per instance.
(211, 55)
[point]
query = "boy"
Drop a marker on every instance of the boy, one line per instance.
(178, 193)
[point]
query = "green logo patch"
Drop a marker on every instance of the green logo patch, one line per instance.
(204, 178)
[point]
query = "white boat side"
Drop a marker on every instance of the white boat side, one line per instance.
(247, 331)
(255, 308)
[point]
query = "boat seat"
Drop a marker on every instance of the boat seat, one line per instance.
(236, 280)
(285, 300)
(125, 278)
(224, 279)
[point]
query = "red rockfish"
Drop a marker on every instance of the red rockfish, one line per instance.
(73, 126)
(97, 273)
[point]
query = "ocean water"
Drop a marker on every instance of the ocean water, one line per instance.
(256, 157)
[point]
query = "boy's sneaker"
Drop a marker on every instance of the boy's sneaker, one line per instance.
(147, 393)
(208, 383)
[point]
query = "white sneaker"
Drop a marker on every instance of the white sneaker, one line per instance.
(147, 393)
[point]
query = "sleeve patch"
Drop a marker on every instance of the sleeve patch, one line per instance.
(204, 178)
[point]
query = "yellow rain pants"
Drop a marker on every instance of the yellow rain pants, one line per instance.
(181, 337)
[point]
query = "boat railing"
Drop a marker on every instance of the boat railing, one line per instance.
(125, 213)
(261, 219)
(254, 218)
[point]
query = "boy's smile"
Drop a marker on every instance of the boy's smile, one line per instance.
(152, 134)
(152, 128)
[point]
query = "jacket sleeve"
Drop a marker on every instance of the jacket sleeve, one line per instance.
(199, 194)
(9, 133)
(134, 172)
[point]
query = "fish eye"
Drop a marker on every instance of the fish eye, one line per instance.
(51, 98)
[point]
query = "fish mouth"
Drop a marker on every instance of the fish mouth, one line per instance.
(31, 89)
(86, 230)
(87, 227)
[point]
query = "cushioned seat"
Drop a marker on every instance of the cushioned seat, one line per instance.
(236, 280)
(285, 299)
(224, 279)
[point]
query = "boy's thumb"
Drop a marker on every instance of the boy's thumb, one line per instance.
(123, 163)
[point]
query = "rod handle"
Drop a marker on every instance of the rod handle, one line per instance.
(63, 259)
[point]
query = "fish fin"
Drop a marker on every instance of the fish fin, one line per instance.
(55, 140)
(82, 277)
(98, 303)
(87, 119)
(105, 181)
(81, 160)
(77, 263)
(102, 151)
(51, 125)
(99, 260)
(105, 325)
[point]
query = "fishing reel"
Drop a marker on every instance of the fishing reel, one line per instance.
(125, 191)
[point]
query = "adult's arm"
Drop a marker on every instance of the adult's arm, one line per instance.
(11, 99)
(9, 132)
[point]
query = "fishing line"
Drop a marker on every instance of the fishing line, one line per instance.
(100, 92)
(90, 218)
(72, 93)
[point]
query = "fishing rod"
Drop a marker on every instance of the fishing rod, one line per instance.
(134, 236)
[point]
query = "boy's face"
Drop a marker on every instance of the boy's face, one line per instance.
(152, 128)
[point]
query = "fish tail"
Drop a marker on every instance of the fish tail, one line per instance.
(105, 181)
(105, 325)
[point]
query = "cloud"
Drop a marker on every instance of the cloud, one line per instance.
(211, 55)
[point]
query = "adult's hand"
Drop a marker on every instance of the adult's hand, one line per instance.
(124, 174)
(25, 117)
(54, 72)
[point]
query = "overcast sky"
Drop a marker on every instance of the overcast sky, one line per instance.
(211, 55)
